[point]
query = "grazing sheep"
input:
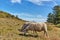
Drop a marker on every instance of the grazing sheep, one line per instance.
(33, 26)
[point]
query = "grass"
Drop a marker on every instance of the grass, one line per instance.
(9, 31)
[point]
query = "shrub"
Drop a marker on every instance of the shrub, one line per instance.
(58, 25)
(49, 28)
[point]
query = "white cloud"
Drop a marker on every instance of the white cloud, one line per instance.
(16, 1)
(30, 17)
(35, 19)
(46, 0)
(37, 2)
(40, 2)
(54, 3)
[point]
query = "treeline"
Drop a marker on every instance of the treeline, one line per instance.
(54, 17)
(6, 15)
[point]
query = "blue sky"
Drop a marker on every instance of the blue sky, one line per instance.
(31, 10)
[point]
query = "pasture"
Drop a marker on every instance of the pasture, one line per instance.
(9, 31)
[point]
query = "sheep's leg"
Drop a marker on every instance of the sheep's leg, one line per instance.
(35, 33)
(45, 33)
(25, 33)
(45, 30)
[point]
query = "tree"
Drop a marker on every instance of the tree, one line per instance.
(17, 17)
(50, 18)
(55, 16)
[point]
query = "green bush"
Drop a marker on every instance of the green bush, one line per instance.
(49, 28)
(58, 25)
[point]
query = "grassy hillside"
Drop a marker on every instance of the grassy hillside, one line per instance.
(9, 26)
(7, 15)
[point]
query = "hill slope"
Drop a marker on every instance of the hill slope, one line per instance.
(7, 15)
(9, 26)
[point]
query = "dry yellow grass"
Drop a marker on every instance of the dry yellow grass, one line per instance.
(9, 31)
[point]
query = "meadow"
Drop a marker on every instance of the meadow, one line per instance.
(9, 31)
(10, 25)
